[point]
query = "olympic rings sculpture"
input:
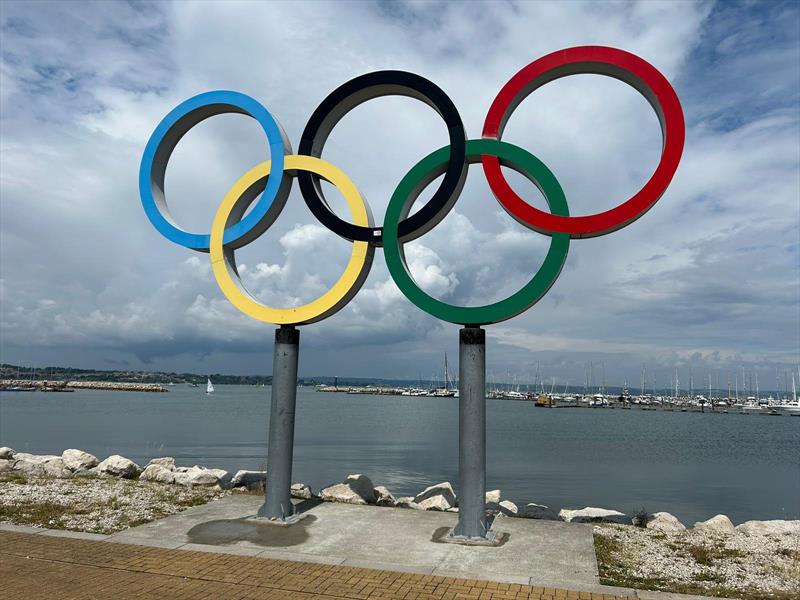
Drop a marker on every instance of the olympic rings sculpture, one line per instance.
(266, 187)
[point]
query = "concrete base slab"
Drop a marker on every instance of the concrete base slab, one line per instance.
(492, 539)
(382, 538)
(287, 522)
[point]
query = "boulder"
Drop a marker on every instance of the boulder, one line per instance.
(6, 453)
(404, 502)
(302, 491)
(665, 523)
(6, 466)
(436, 497)
(383, 497)
(508, 508)
(505, 508)
(538, 511)
(590, 514)
(250, 479)
(716, 524)
(119, 466)
(197, 476)
(78, 460)
(157, 473)
(356, 489)
(165, 461)
(493, 497)
(776, 527)
(46, 465)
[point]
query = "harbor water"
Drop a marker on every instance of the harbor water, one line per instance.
(690, 464)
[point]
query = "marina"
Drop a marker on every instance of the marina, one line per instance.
(752, 402)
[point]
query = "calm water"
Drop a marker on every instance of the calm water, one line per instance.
(692, 465)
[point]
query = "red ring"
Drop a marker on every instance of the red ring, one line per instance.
(627, 67)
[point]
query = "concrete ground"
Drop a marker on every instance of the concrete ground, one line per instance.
(550, 553)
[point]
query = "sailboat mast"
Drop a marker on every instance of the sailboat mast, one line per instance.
(445, 370)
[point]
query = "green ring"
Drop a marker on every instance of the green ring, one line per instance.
(412, 185)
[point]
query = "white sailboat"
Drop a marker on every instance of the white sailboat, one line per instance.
(209, 387)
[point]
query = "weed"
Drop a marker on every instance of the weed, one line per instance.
(16, 478)
(641, 518)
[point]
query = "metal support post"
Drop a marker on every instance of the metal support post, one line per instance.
(472, 524)
(277, 503)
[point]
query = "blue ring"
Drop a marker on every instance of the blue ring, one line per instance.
(163, 141)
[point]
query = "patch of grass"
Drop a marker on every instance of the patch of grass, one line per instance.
(194, 500)
(701, 555)
(16, 478)
(84, 479)
(713, 577)
(43, 514)
(789, 553)
(706, 555)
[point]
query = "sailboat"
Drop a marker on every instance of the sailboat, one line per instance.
(445, 391)
(209, 387)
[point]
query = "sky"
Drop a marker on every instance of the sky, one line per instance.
(707, 282)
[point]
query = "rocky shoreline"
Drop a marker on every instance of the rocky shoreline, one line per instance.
(355, 489)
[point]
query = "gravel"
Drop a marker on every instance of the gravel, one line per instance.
(99, 505)
(703, 561)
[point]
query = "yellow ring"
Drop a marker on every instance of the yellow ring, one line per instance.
(232, 208)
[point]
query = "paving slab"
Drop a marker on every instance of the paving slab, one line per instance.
(385, 538)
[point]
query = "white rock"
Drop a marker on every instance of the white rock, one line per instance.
(356, 489)
(505, 508)
(249, 479)
(6, 466)
(776, 527)
(6, 453)
(716, 524)
(197, 476)
(538, 511)
(590, 514)
(119, 466)
(436, 497)
(493, 497)
(383, 497)
(665, 523)
(165, 461)
(302, 491)
(78, 460)
(46, 465)
(404, 501)
(508, 508)
(157, 473)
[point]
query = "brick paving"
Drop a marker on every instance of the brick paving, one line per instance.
(35, 566)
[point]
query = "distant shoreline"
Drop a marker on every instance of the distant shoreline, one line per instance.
(26, 385)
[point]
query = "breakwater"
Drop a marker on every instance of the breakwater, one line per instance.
(22, 385)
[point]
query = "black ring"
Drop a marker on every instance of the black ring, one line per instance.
(345, 98)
